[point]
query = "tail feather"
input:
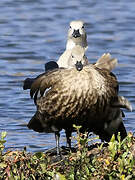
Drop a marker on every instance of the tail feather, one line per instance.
(35, 123)
(106, 62)
(105, 57)
(28, 83)
(51, 65)
(122, 102)
(106, 136)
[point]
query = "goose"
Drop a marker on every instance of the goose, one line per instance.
(84, 95)
(76, 36)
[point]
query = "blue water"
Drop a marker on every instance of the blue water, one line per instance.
(34, 32)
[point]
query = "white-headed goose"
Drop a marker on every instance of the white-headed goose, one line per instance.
(76, 36)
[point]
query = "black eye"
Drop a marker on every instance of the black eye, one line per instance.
(72, 56)
(70, 27)
(82, 27)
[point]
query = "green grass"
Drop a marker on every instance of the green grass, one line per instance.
(113, 162)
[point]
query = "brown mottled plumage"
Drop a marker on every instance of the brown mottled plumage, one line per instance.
(76, 97)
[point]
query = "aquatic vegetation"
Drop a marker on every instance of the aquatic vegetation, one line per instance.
(115, 160)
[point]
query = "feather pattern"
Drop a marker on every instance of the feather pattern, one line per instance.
(73, 94)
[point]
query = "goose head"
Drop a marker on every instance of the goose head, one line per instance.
(77, 58)
(76, 34)
(76, 29)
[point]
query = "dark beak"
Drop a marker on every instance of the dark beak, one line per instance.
(79, 65)
(76, 33)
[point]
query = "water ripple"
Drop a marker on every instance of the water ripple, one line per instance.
(34, 32)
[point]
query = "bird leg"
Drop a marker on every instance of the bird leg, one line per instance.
(57, 137)
(68, 136)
